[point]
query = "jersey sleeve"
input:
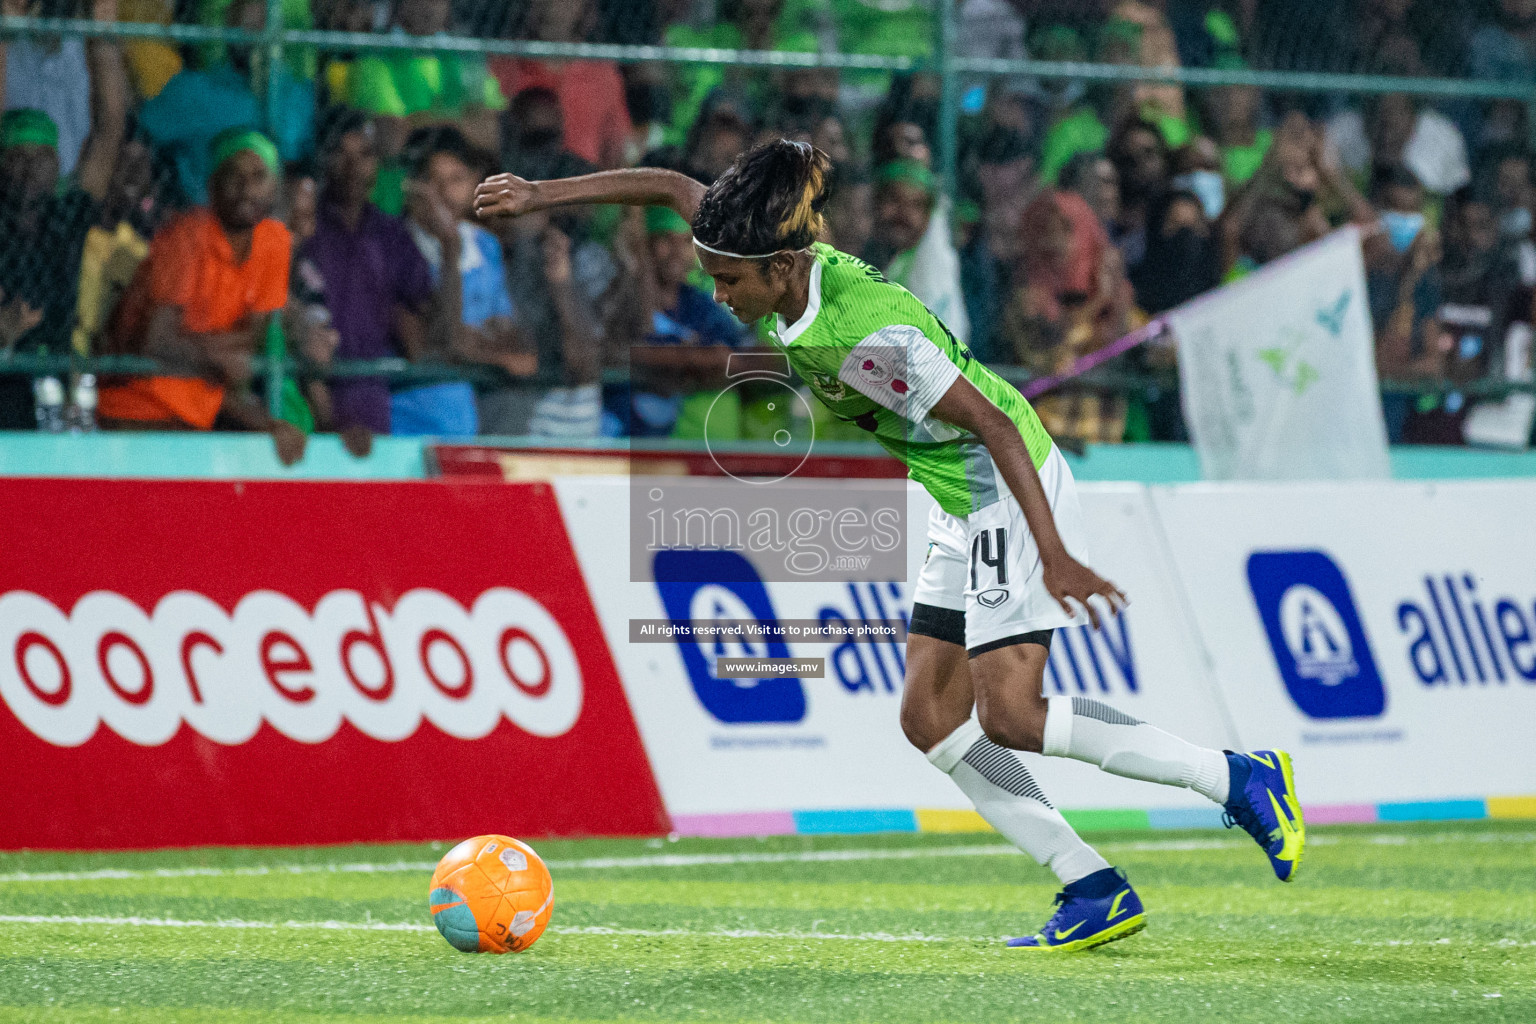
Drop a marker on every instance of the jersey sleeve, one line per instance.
(902, 369)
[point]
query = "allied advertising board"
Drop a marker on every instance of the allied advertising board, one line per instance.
(758, 753)
(1385, 633)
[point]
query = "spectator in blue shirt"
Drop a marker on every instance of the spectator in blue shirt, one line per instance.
(686, 336)
(444, 172)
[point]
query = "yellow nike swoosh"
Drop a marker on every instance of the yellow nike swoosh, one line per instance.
(1115, 910)
(1063, 934)
(1266, 762)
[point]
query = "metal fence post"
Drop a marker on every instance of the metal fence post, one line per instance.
(273, 47)
(949, 93)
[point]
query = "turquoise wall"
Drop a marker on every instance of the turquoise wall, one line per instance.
(250, 457)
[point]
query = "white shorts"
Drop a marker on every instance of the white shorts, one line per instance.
(986, 564)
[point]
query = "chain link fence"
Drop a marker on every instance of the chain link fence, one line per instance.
(996, 97)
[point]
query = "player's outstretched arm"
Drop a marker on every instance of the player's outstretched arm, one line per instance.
(507, 195)
(1065, 578)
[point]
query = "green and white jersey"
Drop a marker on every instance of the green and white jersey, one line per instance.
(877, 357)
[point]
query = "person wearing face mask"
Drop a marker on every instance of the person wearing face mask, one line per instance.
(1197, 170)
(1504, 178)
(1181, 253)
(1478, 283)
(1404, 285)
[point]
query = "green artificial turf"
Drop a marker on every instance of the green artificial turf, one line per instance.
(1434, 922)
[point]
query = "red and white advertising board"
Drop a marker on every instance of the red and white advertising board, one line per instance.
(187, 662)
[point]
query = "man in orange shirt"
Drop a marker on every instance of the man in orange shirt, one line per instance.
(201, 302)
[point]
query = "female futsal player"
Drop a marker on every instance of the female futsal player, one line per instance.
(1001, 572)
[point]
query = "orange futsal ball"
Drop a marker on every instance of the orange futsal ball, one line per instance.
(491, 894)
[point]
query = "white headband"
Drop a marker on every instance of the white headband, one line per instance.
(739, 256)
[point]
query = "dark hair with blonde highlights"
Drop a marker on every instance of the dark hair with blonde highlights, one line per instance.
(769, 200)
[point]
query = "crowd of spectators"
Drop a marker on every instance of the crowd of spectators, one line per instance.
(150, 206)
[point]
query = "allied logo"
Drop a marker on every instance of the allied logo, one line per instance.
(735, 593)
(1315, 632)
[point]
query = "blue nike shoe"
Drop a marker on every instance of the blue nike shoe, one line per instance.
(1262, 802)
(1090, 912)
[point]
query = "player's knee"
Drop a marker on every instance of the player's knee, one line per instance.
(1011, 727)
(922, 727)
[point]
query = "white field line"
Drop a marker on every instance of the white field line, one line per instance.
(406, 926)
(689, 860)
(598, 930)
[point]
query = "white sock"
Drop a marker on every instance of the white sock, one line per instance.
(1006, 795)
(1092, 731)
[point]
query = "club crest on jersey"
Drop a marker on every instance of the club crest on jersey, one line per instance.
(829, 387)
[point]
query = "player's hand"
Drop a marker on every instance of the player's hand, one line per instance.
(503, 195)
(1067, 579)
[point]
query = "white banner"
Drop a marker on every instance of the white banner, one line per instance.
(1385, 633)
(742, 747)
(1278, 370)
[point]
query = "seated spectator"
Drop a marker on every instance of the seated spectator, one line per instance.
(1075, 126)
(1399, 129)
(851, 208)
(197, 105)
(1093, 176)
(1288, 200)
(335, 66)
(439, 207)
(202, 301)
(405, 90)
(557, 284)
(117, 243)
(44, 221)
(377, 285)
(305, 328)
(1070, 297)
(911, 241)
(1503, 49)
(739, 25)
(906, 121)
(685, 335)
(1003, 167)
(533, 139)
(1138, 33)
(1504, 181)
(1197, 169)
(590, 92)
(1403, 279)
(52, 74)
(1479, 288)
(151, 62)
(721, 134)
(1183, 258)
(1231, 114)
(1142, 160)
